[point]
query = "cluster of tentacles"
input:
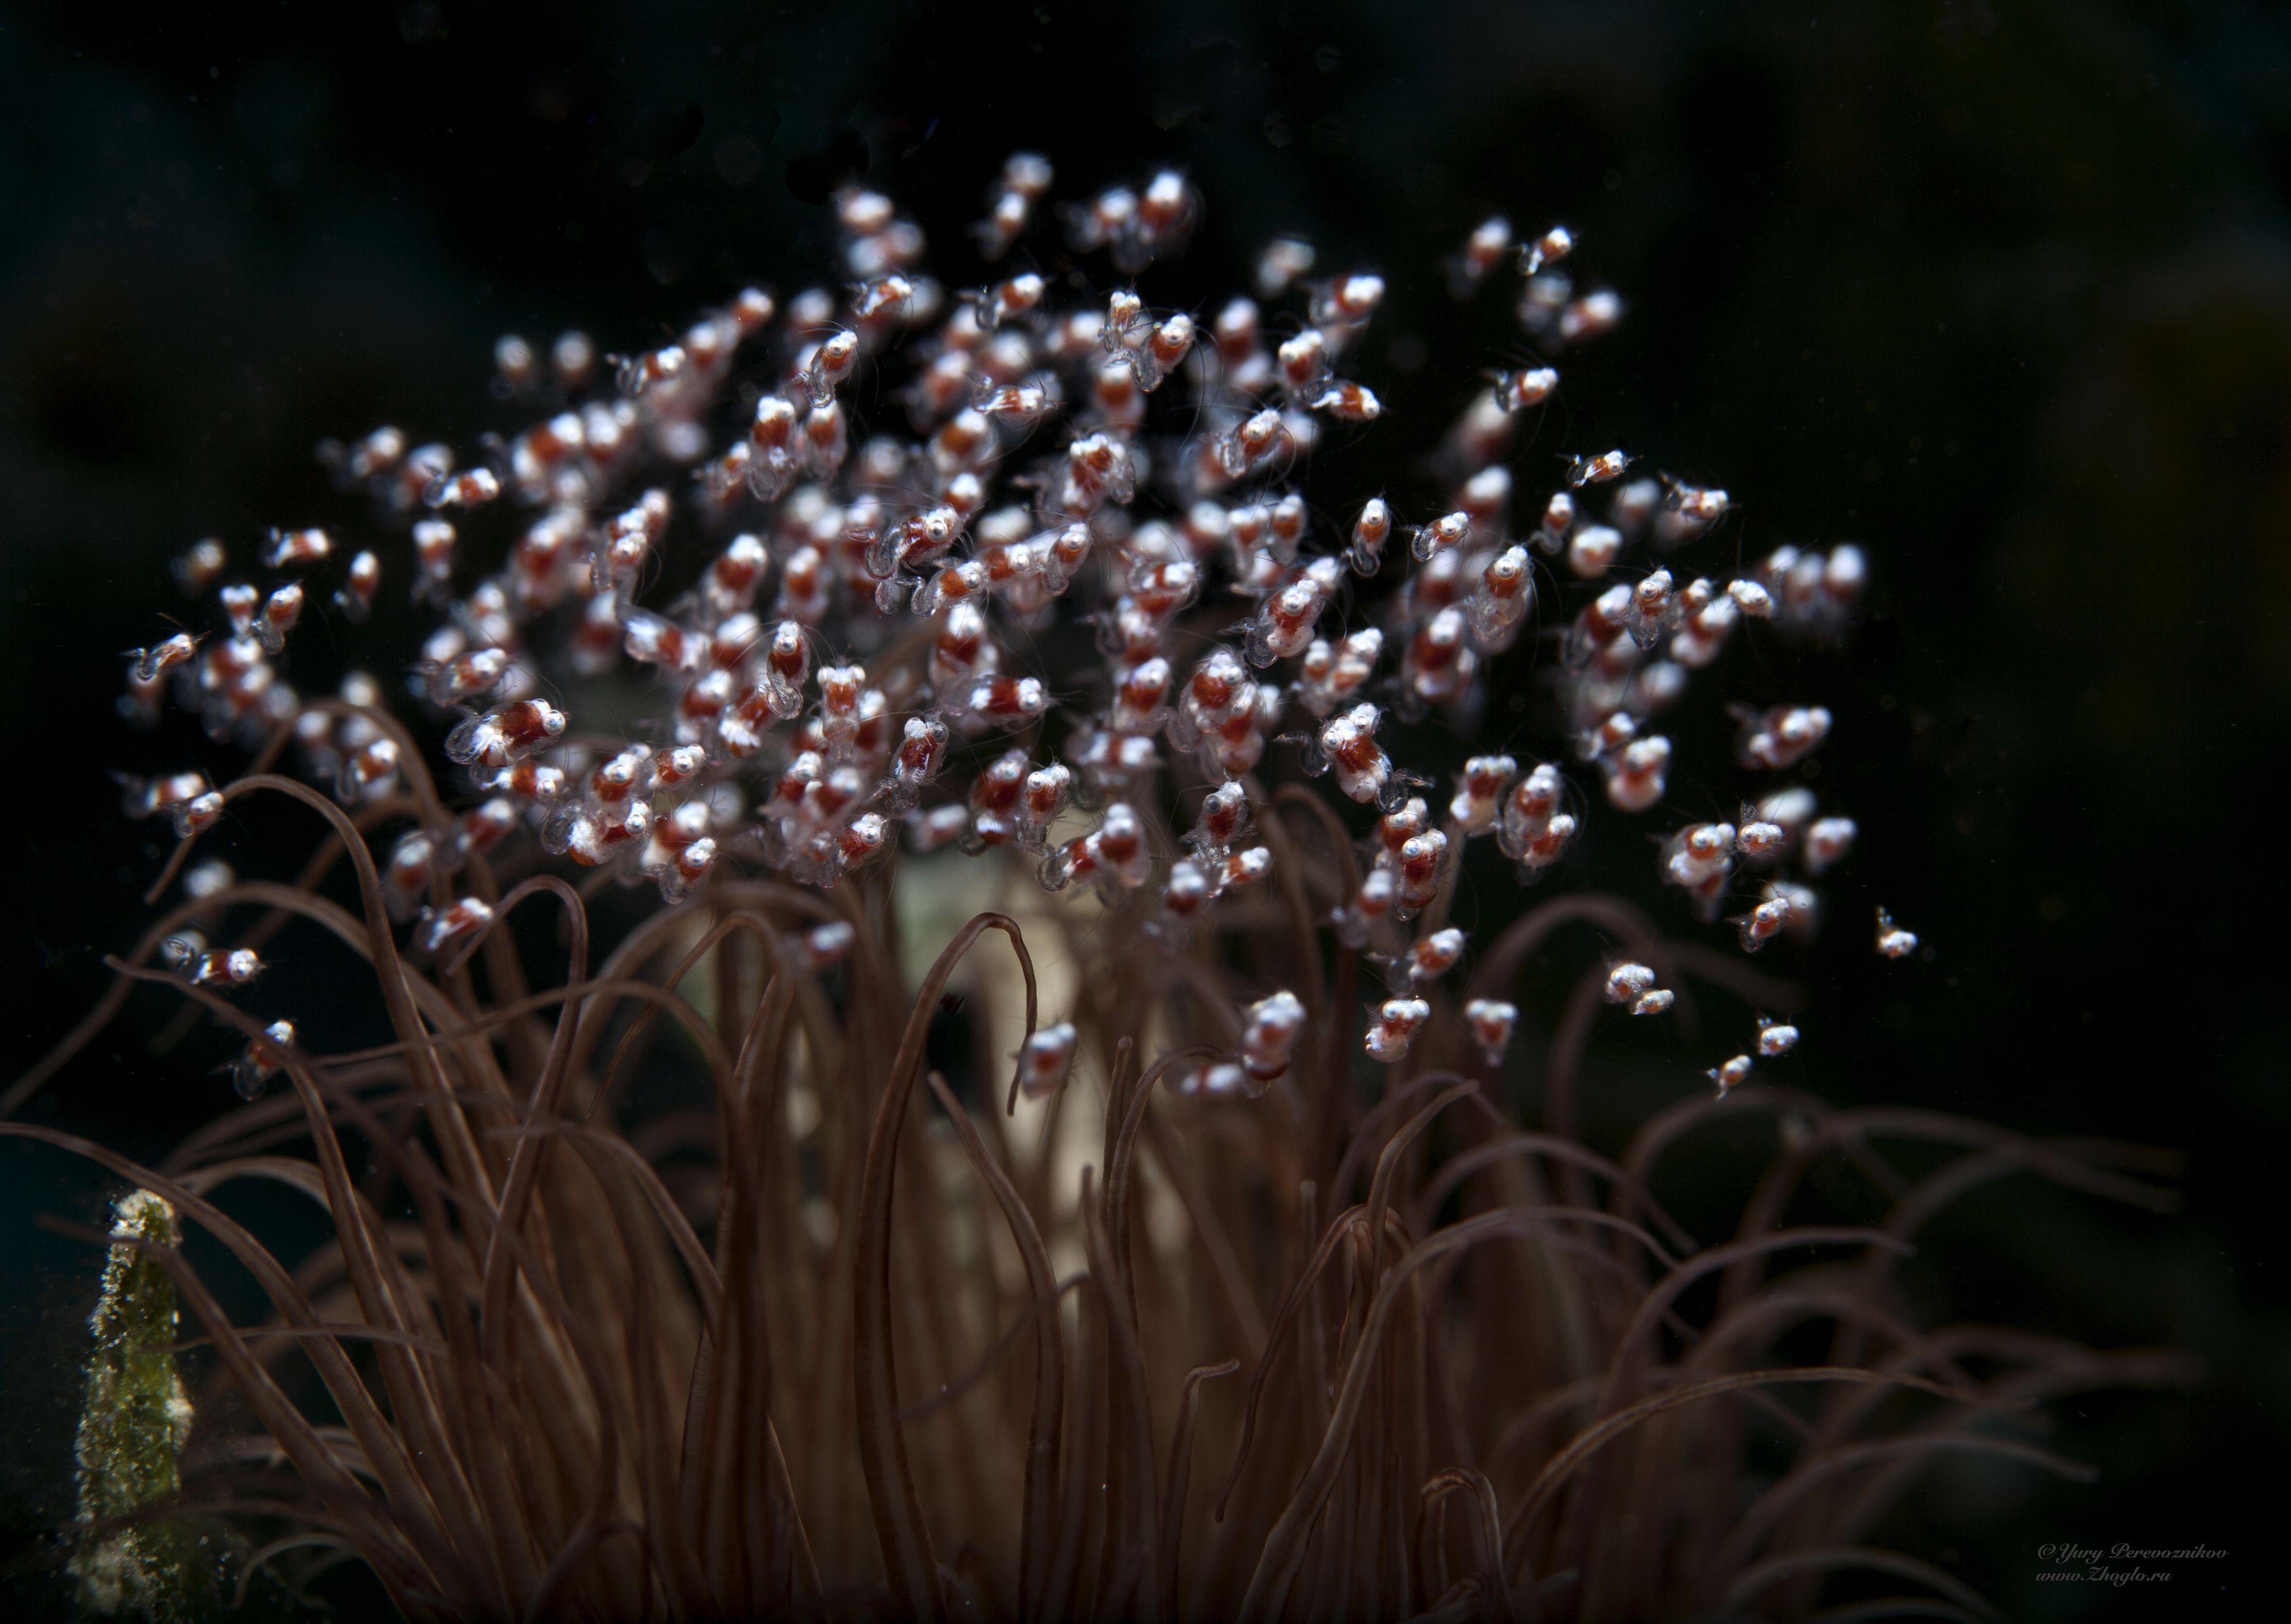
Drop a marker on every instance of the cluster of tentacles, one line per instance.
(658, 1286)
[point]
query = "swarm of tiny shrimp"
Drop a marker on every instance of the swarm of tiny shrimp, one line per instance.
(830, 626)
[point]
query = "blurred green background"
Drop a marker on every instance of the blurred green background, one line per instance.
(2002, 291)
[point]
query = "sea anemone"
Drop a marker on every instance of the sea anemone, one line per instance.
(787, 1246)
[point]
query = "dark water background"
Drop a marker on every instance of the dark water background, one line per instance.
(2001, 290)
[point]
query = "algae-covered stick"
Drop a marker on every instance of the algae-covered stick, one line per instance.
(134, 1423)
